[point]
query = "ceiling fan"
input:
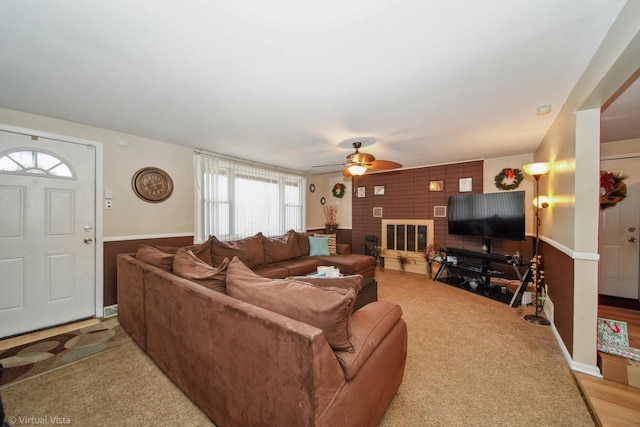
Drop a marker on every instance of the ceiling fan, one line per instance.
(358, 163)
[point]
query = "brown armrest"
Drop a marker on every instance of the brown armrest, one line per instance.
(369, 326)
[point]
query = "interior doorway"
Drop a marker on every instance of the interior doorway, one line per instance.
(47, 233)
(619, 244)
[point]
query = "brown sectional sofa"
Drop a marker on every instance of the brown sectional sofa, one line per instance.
(245, 365)
(288, 255)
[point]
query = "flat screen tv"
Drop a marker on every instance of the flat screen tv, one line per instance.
(489, 216)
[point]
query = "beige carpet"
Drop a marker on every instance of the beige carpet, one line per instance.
(472, 362)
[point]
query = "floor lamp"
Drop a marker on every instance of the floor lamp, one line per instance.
(537, 170)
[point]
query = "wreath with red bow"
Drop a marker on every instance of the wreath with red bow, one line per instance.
(612, 189)
(509, 179)
(338, 190)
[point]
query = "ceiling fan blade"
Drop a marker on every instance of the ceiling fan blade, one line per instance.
(324, 166)
(384, 164)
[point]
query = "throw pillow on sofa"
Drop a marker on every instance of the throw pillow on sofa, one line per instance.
(332, 242)
(345, 282)
(188, 266)
(327, 308)
(318, 246)
(155, 257)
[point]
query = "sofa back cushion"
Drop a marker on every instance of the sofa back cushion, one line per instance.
(327, 308)
(201, 250)
(155, 257)
(188, 266)
(249, 250)
(303, 242)
(280, 248)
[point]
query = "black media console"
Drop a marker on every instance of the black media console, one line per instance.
(473, 271)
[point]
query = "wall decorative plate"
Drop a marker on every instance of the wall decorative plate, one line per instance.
(312, 188)
(152, 184)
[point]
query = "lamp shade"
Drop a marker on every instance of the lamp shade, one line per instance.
(537, 169)
(541, 202)
(357, 170)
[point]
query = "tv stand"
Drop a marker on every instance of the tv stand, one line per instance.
(473, 271)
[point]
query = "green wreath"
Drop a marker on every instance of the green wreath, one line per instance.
(512, 174)
(339, 190)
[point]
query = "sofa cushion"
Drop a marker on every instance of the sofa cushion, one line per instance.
(327, 308)
(318, 246)
(249, 250)
(303, 242)
(332, 242)
(201, 250)
(343, 249)
(188, 266)
(351, 263)
(155, 257)
(353, 281)
(370, 325)
(300, 266)
(271, 271)
(345, 282)
(280, 248)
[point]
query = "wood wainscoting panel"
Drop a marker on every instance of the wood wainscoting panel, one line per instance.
(559, 276)
(113, 248)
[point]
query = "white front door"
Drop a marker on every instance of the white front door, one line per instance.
(47, 232)
(620, 235)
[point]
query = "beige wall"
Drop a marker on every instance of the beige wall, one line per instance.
(130, 216)
(572, 144)
(324, 184)
(617, 149)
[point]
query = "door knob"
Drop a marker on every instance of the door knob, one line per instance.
(631, 239)
(88, 240)
(632, 229)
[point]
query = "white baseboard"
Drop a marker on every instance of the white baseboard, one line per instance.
(592, 370)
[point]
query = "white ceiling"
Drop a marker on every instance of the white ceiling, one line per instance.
(293, 83)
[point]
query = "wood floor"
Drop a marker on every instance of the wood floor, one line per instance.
(615, 404)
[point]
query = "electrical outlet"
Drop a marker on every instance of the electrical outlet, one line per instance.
(108, 204)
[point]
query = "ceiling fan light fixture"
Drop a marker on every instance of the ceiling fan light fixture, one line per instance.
(357, 170)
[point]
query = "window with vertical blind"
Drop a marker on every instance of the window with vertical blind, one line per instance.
(236, 199)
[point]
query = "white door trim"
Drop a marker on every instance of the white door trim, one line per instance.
(99, 247)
